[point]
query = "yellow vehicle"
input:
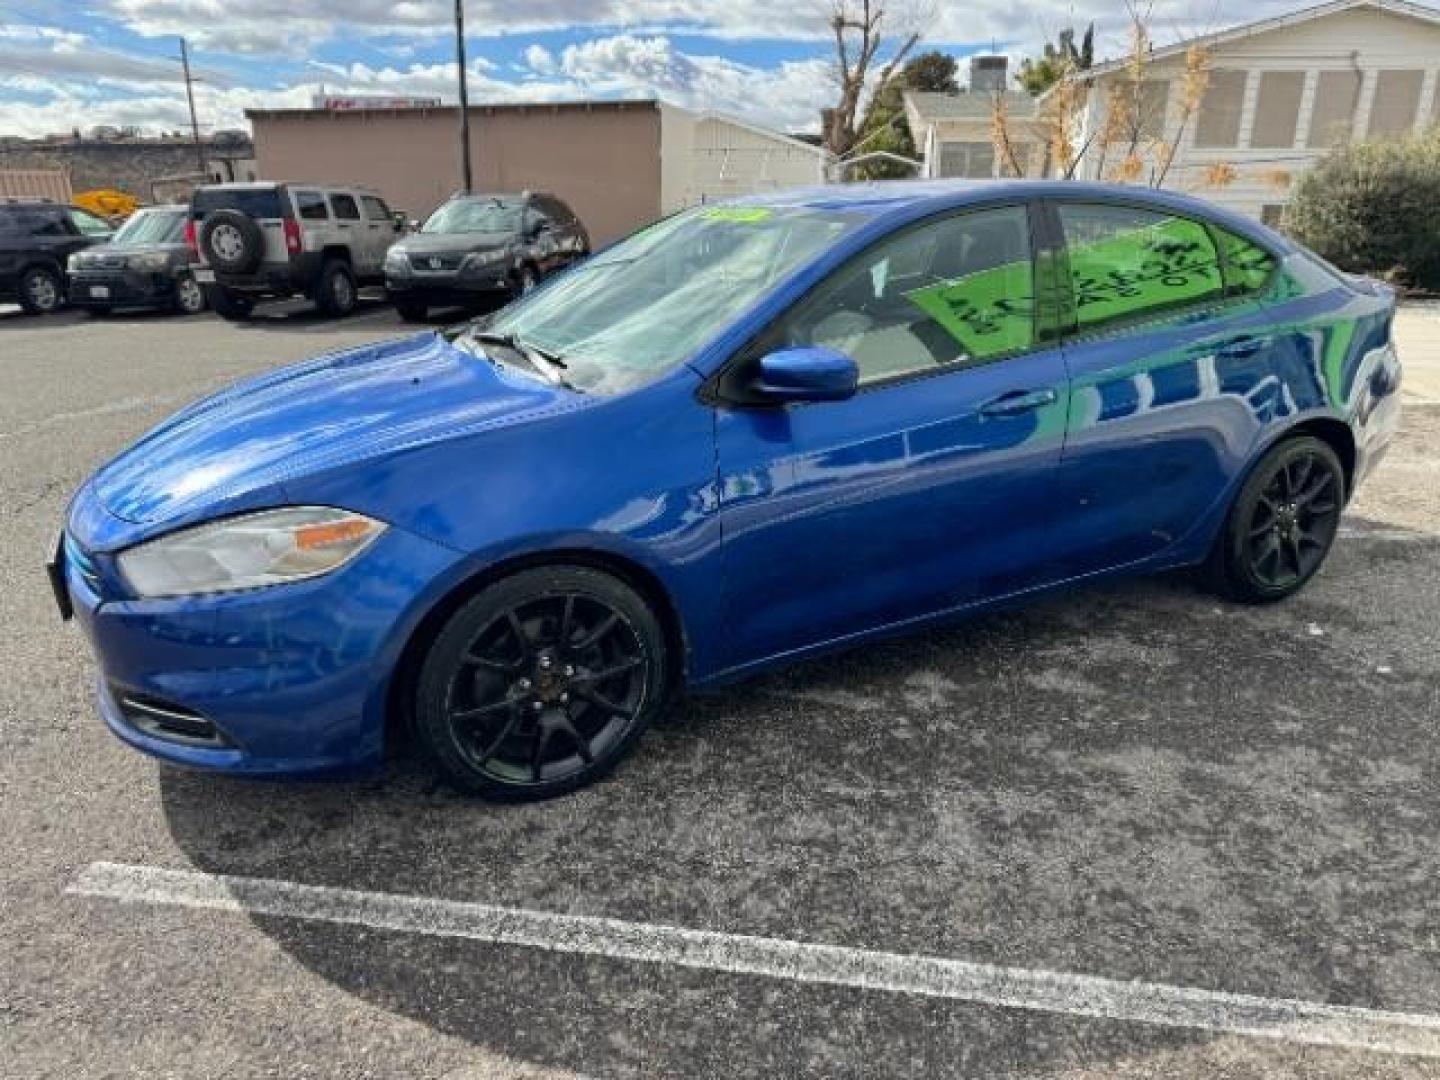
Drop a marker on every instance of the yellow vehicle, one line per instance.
(116, 206)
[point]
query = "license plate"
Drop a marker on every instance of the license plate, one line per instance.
(55, 571)
(204, 276)
(100, 292)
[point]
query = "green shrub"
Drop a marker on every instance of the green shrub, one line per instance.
(1374, 208)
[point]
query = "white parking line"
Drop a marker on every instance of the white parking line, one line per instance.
(958, 980)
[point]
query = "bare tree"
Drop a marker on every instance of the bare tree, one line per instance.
(867, 33)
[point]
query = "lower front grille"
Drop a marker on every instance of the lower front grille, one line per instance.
(165, 720)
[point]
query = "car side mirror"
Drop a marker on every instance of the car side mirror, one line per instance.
(807, 373)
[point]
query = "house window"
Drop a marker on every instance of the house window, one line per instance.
(1218, 124)
(1397, 100)
(967, 159)
(1277, 109)
(1336, 93)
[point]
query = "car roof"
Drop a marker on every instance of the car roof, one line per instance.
(906, 199)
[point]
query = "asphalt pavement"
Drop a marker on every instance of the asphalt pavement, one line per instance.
(1128, 832)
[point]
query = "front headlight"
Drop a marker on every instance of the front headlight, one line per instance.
(248, 552)
(478, 259)
(72, 264)
(149, 261)
(395, 260)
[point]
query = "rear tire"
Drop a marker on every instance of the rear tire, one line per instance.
(231, 306)
(1281, 525)
(41, 292)
(412, 310)
(541, 684)
(335, 291)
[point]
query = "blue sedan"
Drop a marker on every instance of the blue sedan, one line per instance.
(748, 433)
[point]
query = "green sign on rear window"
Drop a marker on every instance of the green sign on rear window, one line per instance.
(1126, 263)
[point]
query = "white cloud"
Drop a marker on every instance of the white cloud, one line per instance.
(540, 60)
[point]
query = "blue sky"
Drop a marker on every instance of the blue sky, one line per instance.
(65, 63)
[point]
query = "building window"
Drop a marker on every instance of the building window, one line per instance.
(1277, 109)
(1397, 101)
(1218, 124)
(967, 159)
(1332, 119)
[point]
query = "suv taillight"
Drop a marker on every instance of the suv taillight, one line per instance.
(294, 241)
(190, 241)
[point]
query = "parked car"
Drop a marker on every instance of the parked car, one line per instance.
(747, 434)
(146, 265)
(257, 240)
(477, 246)
(37, 237)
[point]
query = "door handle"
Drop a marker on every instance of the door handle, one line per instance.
(1018, 401)
(1243, 347)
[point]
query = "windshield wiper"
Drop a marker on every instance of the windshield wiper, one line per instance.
(547, 363)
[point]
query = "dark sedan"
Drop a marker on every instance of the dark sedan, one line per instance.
(146, 265)
(478, 246)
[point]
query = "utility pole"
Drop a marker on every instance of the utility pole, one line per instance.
(465, 182)
(190, 97)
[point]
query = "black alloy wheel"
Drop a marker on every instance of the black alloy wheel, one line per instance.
(541, 683)
(1283, 523)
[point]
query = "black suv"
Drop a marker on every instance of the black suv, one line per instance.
(475, 246)
(36, 239)
(146, 265)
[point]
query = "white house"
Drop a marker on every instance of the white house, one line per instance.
(707, 155)
(1281, 91)
(954, 133)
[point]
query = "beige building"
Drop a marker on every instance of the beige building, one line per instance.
(1281, 92)
(618, 164)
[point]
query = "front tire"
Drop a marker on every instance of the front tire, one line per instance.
(189, 295)
(1282, 524)
(541, 684)
(41, 292)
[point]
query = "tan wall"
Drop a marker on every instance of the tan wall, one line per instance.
(604, 160)
(35, 184)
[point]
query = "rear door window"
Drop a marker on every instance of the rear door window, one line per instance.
(1127, 264)
(254, 202)
(344, 207)
(46, 223)
(310, 206)
(1248, 266)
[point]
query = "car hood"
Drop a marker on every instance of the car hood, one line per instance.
(445, 243)
(337, 410)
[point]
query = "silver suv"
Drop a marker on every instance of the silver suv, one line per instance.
(260, 240)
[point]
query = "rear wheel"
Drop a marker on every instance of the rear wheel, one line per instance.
(40, 291)
(233, 306)
(1282, 524)
(412, 310)
(335, 291)
(542, 683)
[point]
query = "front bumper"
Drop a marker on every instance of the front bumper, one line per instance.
(293, 679)
(454, 287)
(106, 289)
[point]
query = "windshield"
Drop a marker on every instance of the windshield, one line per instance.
(474, 215)
(153, 227)
(639, 308)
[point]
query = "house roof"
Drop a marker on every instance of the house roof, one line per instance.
(966, 105)
(1239, 33)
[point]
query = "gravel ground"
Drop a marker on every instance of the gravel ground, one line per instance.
(1131, 782)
